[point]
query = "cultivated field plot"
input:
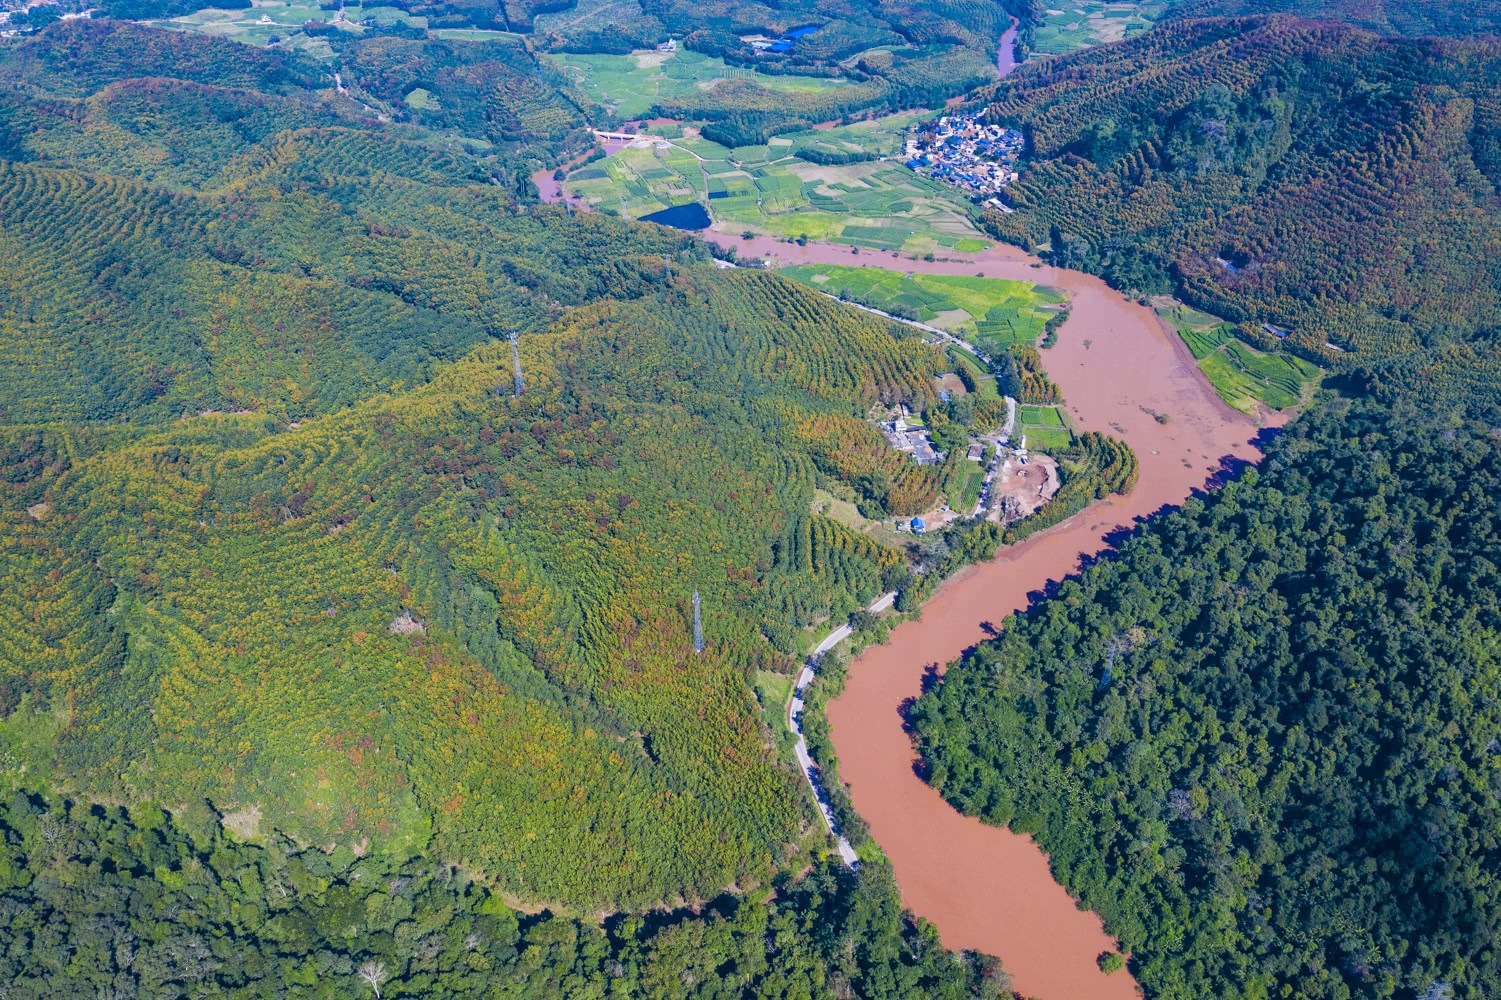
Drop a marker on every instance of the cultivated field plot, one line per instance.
(875, 137)
(1073, 25)
(272, 21)
(872, 204)
(629, 85)
(639, 180)
(1044, 427)
(1242, 375)
(994, 313)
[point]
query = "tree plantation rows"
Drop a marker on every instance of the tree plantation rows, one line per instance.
(278, 532)
(1308, 179)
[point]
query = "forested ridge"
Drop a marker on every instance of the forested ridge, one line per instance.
(1262, 740)
(97, 901)
(1309, 177)
(1384, 17)
(279, 532)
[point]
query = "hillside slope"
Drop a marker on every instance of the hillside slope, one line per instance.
(1414, 18)
(1311, 177)
(392, 605)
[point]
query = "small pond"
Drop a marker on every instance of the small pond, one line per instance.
(689, 216)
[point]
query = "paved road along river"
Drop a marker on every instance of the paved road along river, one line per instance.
(983, 887)
(986, 888)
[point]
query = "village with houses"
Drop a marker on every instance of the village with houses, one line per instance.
(966, 151)
(1016, 483)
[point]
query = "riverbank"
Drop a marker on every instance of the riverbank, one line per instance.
(983, 887)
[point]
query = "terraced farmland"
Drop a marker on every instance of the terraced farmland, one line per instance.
(1073, 25)
(630, 85)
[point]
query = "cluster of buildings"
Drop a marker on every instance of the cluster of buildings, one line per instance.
(966, 151)
(16, 15)
(912, 439)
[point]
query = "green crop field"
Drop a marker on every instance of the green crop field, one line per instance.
(1078, 24)
(1045, 439)
(629, 85)
(993, 312)
(639, 181)
(1242, 375)
(277, 22)
(774, 190)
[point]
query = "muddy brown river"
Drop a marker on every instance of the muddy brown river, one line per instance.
(983, 887)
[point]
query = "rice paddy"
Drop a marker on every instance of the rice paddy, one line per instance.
(873, 204)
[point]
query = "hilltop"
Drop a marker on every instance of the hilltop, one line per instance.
(1295, 177)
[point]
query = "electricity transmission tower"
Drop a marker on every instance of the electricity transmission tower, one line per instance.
(516, 363)
(698, 625)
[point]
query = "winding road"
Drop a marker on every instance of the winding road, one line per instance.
(795, 723)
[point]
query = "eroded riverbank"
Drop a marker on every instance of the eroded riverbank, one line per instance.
(983, 887)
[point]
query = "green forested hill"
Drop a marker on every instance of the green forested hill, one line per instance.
(1384, 17)
(76, 58)
(98, 901)
(459, 611)
(1346, 183)
(391, 606)
(1264, 741)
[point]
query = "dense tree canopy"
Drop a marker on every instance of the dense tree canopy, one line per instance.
(1263, 741)
(99, 902)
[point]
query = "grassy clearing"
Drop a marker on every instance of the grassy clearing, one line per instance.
(1079, 24)
(774, 691)
(629, 85)
(992, 312)
(1242, 375)
(844, 512)
(420, 99)
(985, 386)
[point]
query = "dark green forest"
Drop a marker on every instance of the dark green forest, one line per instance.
(95, 901)
(1311, 179)
(1263, 740)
